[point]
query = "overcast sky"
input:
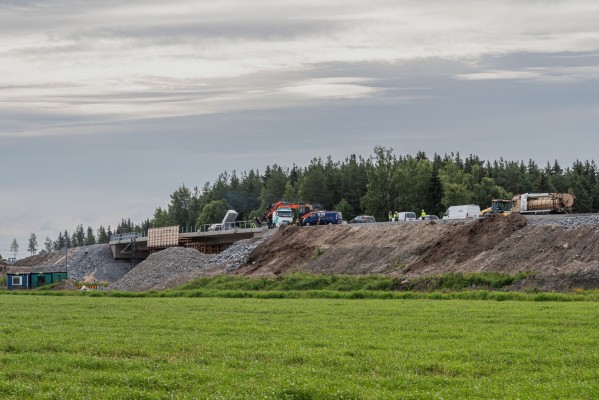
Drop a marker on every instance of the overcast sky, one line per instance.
(107, 107)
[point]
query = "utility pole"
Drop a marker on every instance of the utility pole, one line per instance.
(66, 260)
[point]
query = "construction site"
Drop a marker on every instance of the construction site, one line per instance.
(561, 253)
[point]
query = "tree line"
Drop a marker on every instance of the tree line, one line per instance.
(375, 185)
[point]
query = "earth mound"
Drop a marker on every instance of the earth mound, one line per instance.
(559, 258)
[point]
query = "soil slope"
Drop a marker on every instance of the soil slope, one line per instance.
(562, 258)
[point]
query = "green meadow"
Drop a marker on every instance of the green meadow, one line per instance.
(87, 347)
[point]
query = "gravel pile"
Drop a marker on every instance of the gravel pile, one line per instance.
(238, 253)
(176, 265)
(89, 263)
(95, 263)
(567, 221)
(163, 269)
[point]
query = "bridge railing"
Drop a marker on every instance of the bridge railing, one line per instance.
(227, 226)
(124, 236)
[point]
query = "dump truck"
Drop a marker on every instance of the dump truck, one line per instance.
(543, 203)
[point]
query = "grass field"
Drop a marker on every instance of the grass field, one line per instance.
(82, 347)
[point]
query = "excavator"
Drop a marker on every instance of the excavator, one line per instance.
(283, 212)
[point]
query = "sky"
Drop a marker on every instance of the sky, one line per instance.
(107, 107)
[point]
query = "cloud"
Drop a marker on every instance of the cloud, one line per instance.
(338, 88)
(500, 74)
(546, 74)
(114, 61)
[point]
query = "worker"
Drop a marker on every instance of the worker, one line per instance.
(396, 216)
(422, 214)
(390, 216)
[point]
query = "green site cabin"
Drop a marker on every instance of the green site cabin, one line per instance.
(34, 277)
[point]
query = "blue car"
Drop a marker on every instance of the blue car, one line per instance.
(322, 218)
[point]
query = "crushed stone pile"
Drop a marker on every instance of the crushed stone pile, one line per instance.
(238, 253)
(88, 264)
(164, 269)
(177, 265)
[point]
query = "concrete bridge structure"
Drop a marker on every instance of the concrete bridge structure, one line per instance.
(206, 240)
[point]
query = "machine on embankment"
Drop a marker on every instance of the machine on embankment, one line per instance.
(532, 203)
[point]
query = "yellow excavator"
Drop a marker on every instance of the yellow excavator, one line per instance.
(498, 206)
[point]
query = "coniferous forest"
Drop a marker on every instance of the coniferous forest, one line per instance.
(384, 181)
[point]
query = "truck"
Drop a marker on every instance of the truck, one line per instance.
(227, 223)
(462, 212)
(543, 203)
(282, 212)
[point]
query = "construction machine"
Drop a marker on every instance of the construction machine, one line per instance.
(282, 212)
(498, 206)
(532, 203)
(543, 203)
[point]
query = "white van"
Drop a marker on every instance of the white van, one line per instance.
(465, 211)
(406, 216)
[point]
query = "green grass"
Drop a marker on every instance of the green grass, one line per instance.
(82, 347)
(345, 283)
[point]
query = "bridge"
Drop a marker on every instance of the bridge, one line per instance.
(208, 239)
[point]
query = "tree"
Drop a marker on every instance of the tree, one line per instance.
(455, 185)
(90, 238)
(353, 180)
(274, 187)
(102, 235)
(14, 248)
(313, 185)
(59, 243)
(48, 245)
(161, 218)
(79, 237)
(212, 212)
(180, 210)
(32, 247)
(345, 209)
(411, 179)
(485, 191)
(380, 192)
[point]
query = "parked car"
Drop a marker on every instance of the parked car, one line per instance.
(322, 218)
(429, 217)
(215, 227)
(362, 219)
(406, 216)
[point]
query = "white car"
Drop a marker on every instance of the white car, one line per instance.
(215, 227)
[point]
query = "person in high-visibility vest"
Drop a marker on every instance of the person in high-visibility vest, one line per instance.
(422, 214)
(390, 216)
(396, 216)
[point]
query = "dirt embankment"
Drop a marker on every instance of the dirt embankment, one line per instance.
(569, 257)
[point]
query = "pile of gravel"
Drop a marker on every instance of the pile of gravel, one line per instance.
(162, 270)
(96, 263)
(93, 263)
(568, 221)
(176, 265)
(238, 253)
